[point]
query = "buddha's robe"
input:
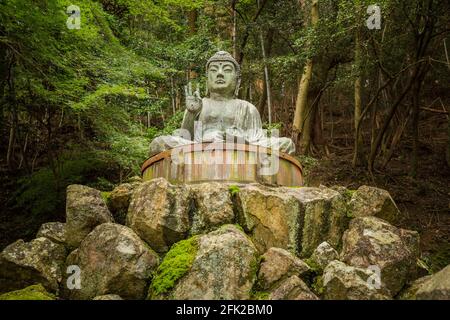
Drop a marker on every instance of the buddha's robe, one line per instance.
(215, 120)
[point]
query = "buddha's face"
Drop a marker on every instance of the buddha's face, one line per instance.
(222, 77)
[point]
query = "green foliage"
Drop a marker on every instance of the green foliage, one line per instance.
(176, 264)
(172, 124)
(34, 292)
(274, 126)
(105, 196)
(234, 190)
(308, 163)
(101, 184)
(38, 194)
(127, 152)
(41, 194)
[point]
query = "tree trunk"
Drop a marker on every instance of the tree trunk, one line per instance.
(234, 29)
(192, 23)
(247, 32)
(172, 94)
(267, 93)
(416, 88)
(379, 138)
(357, 155)
(415, 129)
(14, 117)
(448, 142)
(301, 125)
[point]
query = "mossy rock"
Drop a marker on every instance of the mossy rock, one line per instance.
(219, 265)
(34, 292)
(176, 264)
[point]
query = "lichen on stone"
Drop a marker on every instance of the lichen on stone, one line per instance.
(176, 264)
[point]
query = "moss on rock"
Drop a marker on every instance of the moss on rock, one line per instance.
(105, 196)
(176, 264)
(259, 295)
(34, 292)
(313, 265)
(233, 189)
(317, 285)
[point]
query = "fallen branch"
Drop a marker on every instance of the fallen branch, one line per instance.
(434, 110)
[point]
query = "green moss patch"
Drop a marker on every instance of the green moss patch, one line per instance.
(259, 295)
(349, 193)
(34, 292)
(317, 285)
(105, 196)
(177, 262)
(312, 264)
(234, 190)
(237, 225)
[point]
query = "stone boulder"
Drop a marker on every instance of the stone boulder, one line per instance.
(34, 292)
(371, 201)
(159, 213)
(27, 263)
(119, 201)
(112, 259)
(219, 265)
(85, 209)
(343, 282)
(278, 264)
(370, 241)
(323, 215)
(135, 180)
(434, 287)
(292, 288)
(296, 219)
(54, 231)
(322, 256)
(108, 297)
(213, 206)
(409, 292)
(270, 217)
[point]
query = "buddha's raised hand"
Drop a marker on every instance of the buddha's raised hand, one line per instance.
(193, 99)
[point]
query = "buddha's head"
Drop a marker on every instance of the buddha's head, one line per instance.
(224, 75)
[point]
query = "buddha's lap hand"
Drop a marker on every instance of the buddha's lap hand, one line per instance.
(234, 133)
(193, 99)
(213, 136)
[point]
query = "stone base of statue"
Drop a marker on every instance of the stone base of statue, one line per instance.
(239, 163)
